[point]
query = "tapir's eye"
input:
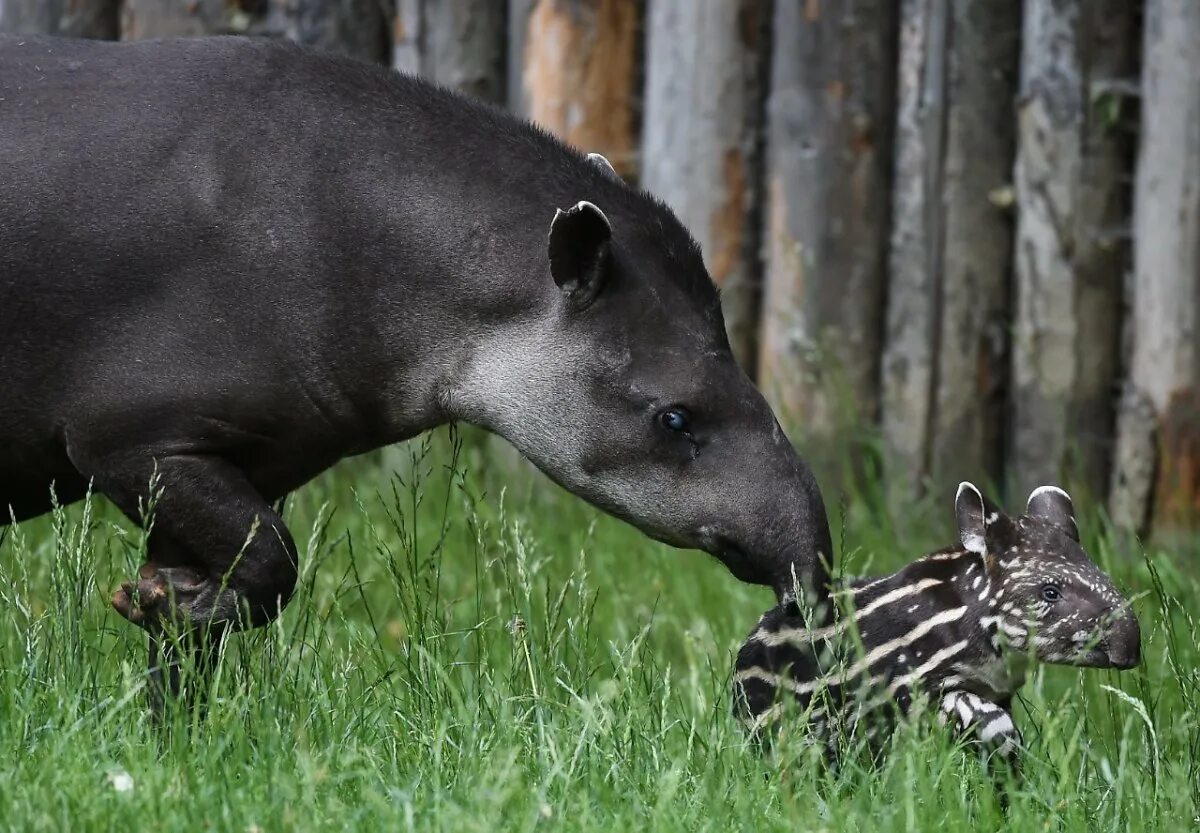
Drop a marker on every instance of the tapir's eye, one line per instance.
(675, 419)
(1051, 593)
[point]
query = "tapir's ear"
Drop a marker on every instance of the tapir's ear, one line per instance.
(1053, 505)
(604, 165)
(970, 511)
(980, 520)
(579, 251)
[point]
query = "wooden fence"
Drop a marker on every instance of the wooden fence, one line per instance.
(971, 226)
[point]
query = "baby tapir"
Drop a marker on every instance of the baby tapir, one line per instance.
(955, 627)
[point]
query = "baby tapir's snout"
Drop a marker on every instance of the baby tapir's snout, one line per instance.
(1123, 642)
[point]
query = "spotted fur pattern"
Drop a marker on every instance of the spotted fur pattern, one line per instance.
(955, 628)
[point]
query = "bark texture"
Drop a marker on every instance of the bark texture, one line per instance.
(1070, 254)
(457, 43)
(829, 153)
(1164, 373)
(705, 74)
(172, 18)
(69, 18)
(358, 28)
(573, 70)
(944, 357)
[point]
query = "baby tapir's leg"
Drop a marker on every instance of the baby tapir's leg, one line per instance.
(219, 557)
(986, 723)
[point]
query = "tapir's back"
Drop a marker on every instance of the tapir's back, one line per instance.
(209, 179)
(228, 151)
(189, 218)
(152, 255)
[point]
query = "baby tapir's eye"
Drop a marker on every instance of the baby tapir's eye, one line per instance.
(1051, 593)
(675, 419)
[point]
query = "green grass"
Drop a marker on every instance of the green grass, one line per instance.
(466, 659)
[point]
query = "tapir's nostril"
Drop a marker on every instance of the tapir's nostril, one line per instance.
(1125, 642)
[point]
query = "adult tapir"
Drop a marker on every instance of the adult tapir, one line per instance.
(229, 263)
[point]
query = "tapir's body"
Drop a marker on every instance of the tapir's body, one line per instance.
(275, 272)
(231, 263)
(283, 272)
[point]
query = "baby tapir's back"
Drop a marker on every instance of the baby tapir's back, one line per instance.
(891, 634)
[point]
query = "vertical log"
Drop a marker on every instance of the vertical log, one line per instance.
(1164, 373)
(69, 18)
(909, 350)
(457, 43)
(830, 121)
(407, 35)
(1070, 256)
(464, 46)
(461, 44)
(358, 28)
(944, 356)
(573, 70)
(171, 18)
(705, 67)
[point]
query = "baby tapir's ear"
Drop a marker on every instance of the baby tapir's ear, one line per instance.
(579, 251)
(978, 518)
(1052, 505)
(970, 512)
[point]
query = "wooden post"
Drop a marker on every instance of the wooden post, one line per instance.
(457, 43)
(69, 18)
(1162, 396)
(944, 358)
(705, 73)
(358, 28)
(171, 18)
(1070, 255)
(828, 195)
(573, 70)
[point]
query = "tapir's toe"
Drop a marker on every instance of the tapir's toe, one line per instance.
(144, 600)
(162, 593)
(122, 601)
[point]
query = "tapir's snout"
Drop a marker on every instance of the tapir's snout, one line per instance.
(774, 529)
(1123, 642)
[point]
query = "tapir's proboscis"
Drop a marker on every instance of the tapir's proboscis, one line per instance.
(229, 263)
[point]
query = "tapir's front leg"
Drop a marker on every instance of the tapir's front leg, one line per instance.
(219, 556)
(986, 723)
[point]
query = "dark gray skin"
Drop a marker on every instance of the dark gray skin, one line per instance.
(236, 262)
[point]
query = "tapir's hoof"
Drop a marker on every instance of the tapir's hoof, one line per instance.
(159, 593)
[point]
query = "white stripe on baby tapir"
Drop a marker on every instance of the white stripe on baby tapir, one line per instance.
(872, 658)
(950, 682)
(765, 717)
(936, 556)
(853, 591)
(802, 635)
(970, 709)
(936, 659)
(1000, 724)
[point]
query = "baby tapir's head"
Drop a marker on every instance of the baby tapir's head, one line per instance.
(1045, 592)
